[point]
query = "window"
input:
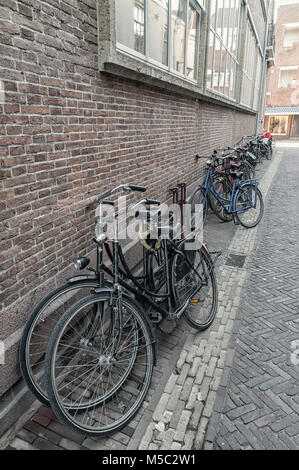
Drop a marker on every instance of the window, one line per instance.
(158, 30)
(291, 35)
(139, 26)
(287, 77)
(258, 79)
(163, 32)
(278, 125)
(223, 46)
(249, 66)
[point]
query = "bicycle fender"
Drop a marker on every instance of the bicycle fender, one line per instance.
(86, 277)
(82, 277)
(241, 185)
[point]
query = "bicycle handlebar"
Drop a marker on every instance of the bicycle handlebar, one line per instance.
(126, 187)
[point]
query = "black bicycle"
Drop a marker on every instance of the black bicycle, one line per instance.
(101, 352)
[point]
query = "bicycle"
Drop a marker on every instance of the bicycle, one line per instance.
(106, 338)
(44, 317)
(245, 198)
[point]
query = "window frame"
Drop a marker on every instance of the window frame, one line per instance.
(257, 50)
(198, 7)
(287, 69)
(226, 46)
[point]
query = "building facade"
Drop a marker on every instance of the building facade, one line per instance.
(95, 93)
(282, 100)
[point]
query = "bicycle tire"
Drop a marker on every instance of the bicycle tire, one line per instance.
(245, 196)
(32, 367)
(199, 198)
(186, 280)
(269, 152)
(109, 409)
(224, 191)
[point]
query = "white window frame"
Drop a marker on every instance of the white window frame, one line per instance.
(282, 69)
(289, 27)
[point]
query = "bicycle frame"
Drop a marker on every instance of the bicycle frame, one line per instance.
(140, 291)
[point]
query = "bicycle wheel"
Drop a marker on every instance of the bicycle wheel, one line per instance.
(38, 328)
(269, 152)
(224, 191)
(199, 206)
(193, 279)
(97, 382)
(249, 205)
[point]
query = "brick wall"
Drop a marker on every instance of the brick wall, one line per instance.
(68, 133)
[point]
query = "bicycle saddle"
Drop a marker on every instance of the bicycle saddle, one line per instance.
(237, 174)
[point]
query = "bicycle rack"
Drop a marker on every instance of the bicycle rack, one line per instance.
(179, 197)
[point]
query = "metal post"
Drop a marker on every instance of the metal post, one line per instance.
(263, 71)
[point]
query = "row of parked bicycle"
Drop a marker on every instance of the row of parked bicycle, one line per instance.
(88, 347)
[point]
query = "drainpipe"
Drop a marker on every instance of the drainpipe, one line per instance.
(263, 71)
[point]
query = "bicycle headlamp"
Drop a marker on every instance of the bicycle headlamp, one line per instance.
(81, 262)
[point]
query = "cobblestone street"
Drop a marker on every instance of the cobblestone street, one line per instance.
(234, 386)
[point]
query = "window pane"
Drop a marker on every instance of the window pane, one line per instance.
(287, 78)
(222, 70)
(130, 24)
(217, 62)
(233, 79)
(291, 35)
(227, 75)
(210, 60)
(249, 66)
(219, 22)
(157, 28)
(178, 29)
(191, 59)
(227, 32)
(213, 11)
(226, 21)
(236, 28)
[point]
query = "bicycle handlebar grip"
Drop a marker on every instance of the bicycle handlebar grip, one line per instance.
(105, 201)
(153, 202)
(135, 187)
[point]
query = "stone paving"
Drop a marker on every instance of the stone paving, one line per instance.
(261, 405)
(234, 385)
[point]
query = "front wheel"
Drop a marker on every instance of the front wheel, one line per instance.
(199, 207)
(99, 364)
(193, 280)
(224, 191)
(38, 329)
(269, 152)
(249, 205)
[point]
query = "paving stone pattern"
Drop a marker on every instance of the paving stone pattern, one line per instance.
(261, 406)
(232, 386)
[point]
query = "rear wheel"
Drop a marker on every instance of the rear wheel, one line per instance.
(199, 207)
(193, 281)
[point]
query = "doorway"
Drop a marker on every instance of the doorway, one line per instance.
(295, 127)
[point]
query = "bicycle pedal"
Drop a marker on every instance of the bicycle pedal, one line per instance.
(155, 317)
(236, 221)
